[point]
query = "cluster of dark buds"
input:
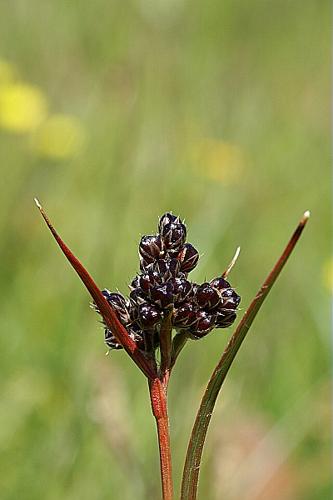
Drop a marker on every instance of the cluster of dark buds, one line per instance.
(162, 289)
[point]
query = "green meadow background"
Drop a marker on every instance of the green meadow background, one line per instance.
(112, 113)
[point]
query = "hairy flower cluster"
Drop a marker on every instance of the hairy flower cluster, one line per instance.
(162, 288)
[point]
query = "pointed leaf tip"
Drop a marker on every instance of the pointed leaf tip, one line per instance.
(232, 263)
(305, 218)
(37, 203)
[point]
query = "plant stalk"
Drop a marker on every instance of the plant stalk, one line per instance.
(166, 344)
(178, 343)
(158, 397)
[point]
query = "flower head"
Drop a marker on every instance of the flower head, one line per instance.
(163, 288)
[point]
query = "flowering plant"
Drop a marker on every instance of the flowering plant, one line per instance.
(162, 300)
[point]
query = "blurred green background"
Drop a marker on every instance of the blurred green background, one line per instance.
(112, 113)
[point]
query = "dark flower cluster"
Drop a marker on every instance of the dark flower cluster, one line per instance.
(162, 288)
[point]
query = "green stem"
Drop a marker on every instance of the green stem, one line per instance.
(199, 431)
(166, 343)
(178, 343)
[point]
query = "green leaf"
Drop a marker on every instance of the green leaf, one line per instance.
(200, 428)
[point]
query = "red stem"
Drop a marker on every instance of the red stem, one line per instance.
(158, 397)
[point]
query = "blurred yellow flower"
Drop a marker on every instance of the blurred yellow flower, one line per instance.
(217, 160)
(22, 107)
(327, 274)
(59, 137)
(7, 72)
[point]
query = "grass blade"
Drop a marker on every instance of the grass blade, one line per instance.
(199, 431)
(104, 307)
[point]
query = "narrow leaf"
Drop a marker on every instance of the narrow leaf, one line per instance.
(108, 314)
(199, 431)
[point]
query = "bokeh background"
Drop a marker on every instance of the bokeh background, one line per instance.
(112, 113)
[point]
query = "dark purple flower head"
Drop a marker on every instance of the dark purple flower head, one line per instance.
(162, 288)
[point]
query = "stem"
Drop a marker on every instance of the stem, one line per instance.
(166, 343)
(158, 397)
(199, 431)
(178, 343)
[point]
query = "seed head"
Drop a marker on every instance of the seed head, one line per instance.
(162, 287)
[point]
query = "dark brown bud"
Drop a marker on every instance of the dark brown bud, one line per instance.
(220, 283)
(188, 258)
(167, 218)
(230, 299)
(134, 283)
(205, 322)
(163, 295)
(110, 340)
(119, 304)
(173, 235)
(148, 316)
(184, 316)
(182, 290)
(150, 248)
(166, 269)
(206, 296)
(224, 319)
(137, 296)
